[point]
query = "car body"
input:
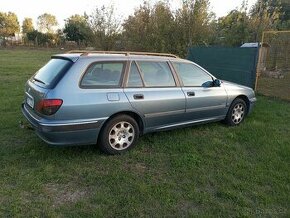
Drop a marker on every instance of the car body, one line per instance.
(71, 99)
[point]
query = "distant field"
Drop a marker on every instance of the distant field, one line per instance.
(208, 170)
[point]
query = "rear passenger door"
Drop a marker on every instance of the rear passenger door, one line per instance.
(153, 91)
(203, 100)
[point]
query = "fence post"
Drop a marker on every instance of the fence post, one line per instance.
(259, 61)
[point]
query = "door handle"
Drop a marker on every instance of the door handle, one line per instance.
(190, 93)
(138, 96)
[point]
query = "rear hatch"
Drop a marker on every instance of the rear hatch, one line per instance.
(43, 81)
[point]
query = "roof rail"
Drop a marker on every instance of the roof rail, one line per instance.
(126, 53)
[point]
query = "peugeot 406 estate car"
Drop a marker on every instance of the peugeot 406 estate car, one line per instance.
(111, 98)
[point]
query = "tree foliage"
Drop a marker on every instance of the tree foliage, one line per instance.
(137, 29)
(43, 39)
(27, 25)
(9, 24)
(77, 29)
(284, 15)
(162, 25)
(46, 23)
(157, 27)
(234, 28)
(193, 23)
(105, 26)
(264, 15)
(150, 28)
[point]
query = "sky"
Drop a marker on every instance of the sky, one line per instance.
(63, 9)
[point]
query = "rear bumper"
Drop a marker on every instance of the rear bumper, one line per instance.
(68, 132)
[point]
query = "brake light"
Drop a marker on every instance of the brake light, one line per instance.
(49, 106)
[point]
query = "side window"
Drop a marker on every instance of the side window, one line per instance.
(103, 74)
(156, 74)
(192, 75)
(134, 79)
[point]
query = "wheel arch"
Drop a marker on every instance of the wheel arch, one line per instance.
(246, 100)
(134, 115)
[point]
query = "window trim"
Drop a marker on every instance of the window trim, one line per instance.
(124, 62)
(128, 76)
(156, 61)
(194, 64)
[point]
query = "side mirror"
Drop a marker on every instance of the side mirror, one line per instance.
(208, 84)
(216, 83)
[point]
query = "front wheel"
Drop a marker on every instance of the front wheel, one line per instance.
(236, 113)
(119, 135)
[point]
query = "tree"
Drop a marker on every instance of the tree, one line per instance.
(265, 15)
(137, 29)
(105, 27)
(77, 29)
(150, 29)
(193, 23)
(157, 28)
(163, 28)
(233, 29)
(27, 25)
(284, 15)
(9, 24)
(43, 39)
(36, 37)
(46, 22)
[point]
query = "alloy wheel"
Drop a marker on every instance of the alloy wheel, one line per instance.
(121, 135)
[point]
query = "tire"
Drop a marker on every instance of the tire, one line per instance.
(119, 135)
(236, 113)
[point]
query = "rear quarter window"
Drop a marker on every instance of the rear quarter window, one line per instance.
(103, 75)
(49, 74)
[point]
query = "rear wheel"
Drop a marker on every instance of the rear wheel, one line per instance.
(236, 113)
(119, 135)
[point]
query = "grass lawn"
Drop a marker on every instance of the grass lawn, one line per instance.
(208, 170)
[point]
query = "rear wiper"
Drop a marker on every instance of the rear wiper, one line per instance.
(37, 80)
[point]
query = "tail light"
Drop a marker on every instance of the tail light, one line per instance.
(49, 106)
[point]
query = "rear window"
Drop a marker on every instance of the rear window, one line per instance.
(50, 73)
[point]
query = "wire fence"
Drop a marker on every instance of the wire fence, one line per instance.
(273, 71)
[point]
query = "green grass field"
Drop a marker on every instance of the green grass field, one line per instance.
(208, 170)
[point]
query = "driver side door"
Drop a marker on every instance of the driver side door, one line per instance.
(203, 100)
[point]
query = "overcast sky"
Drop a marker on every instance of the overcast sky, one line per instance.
(63, 9)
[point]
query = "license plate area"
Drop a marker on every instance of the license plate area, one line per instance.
(30, 101)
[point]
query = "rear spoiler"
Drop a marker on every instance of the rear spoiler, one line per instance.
(72, 58)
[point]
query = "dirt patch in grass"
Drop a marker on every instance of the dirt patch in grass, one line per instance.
(61, 194)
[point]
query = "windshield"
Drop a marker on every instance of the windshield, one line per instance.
(51, 72)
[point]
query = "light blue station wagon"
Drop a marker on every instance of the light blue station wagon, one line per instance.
(111, 98)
